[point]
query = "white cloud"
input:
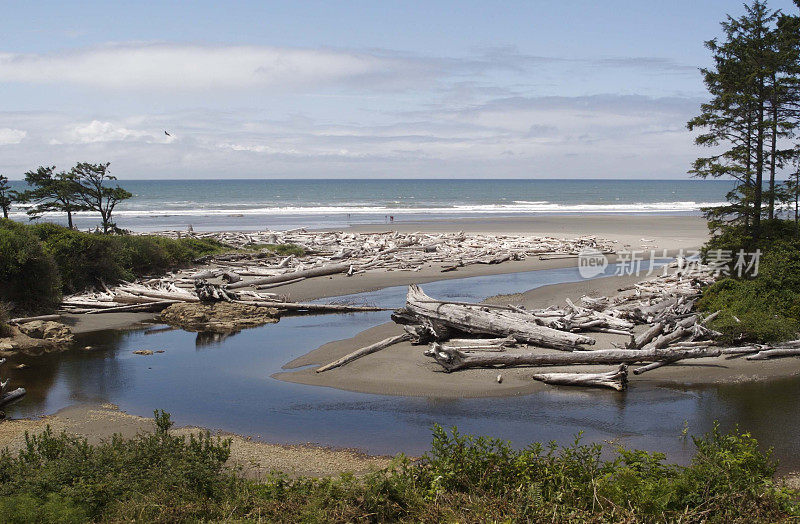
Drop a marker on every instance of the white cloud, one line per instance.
(187, 67)
(97, 131)
(10, 136)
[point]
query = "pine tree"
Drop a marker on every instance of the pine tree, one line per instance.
(96, 194)
(52, 192)
(753, 88)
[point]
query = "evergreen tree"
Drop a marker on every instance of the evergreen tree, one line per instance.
(7, 196)
(52, 191)
(96, 194)
(754, 93)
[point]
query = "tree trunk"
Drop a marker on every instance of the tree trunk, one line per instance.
(11, 397)
(308, 273)
(69, 219)
(773, 149)
(372, 348)
(617, 380)
(759, 183)
(455, 360)
(775, 353)
(479, 319)
(299, 306)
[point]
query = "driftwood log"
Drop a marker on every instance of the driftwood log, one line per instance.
(11, 397)
(22, 320)
(617, 380)
(307, 273)
(479, 319)
(775, 353)
(452, 360)
(372, 348)
(301, 306)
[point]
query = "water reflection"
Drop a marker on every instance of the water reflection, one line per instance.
(224, 382)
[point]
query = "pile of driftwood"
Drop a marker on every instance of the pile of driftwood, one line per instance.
(157, 294)
(246, 275)
(465, 335)
(390, 250)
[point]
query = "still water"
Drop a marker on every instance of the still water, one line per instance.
(226, 384)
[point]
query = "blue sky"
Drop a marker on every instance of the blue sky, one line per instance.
(538, 89)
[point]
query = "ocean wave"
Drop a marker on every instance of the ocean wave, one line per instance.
(517, 207)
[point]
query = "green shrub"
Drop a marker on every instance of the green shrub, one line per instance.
(29, 277)
(765, 308)
(85, 259)
(165, 478)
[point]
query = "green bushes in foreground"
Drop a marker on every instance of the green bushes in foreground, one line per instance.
(164, 478)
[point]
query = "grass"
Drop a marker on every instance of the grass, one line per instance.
(160, 477)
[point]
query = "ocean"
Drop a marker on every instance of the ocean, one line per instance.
(286, 204)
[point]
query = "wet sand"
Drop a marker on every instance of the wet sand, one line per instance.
(402, 369)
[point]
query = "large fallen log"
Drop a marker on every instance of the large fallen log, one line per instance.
(301, 306)
(307, 273)
(147, 307)
(372, 348)
(22, 320)
(479, 319)
(11, 397)
(617, 380)
(775, 353)
(452, 360)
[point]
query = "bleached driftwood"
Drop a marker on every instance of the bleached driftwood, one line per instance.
(775, 353)
(455, 360)
(479, 320)
(372, 348)
(617, 380)
(22, 320)
(301, 306)
(307, 273)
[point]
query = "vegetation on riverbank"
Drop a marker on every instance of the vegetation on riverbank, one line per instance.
(764, 307)
(40, 262)
(160, 477)
(752, 121)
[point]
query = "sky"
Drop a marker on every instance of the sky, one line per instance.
(381, 89)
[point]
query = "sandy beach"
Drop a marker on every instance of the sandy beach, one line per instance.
(99, 422)
(630, 232)
(402, 369)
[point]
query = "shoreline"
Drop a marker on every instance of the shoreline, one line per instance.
(669, 232)
(99, 422)
(402, 370)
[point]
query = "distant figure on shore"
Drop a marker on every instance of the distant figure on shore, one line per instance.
(391, 218)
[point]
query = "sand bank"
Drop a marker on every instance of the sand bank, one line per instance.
(99, 422)
(641, 232)
(403, 370)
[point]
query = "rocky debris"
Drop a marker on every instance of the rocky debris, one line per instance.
(47, 330)
(36, 337)
(219, 317)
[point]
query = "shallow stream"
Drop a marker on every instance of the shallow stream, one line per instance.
(226, 384)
